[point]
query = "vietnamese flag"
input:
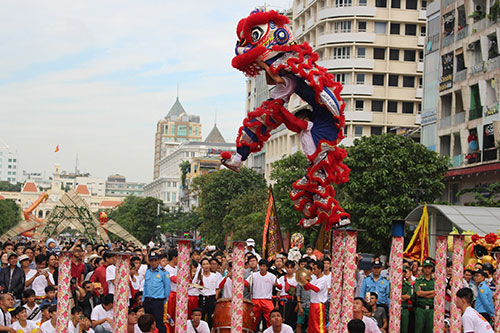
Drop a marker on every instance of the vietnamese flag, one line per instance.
(57, 149)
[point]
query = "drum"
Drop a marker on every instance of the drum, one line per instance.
(222, 316)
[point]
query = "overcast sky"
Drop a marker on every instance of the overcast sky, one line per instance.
(94, 77)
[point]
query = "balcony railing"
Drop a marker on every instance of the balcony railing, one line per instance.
(476, 113)
(457, 160)
(460, 76)
(446, 3)
(479, 68)
(445, 122)
(480, 25)
(459, 118)
(492, 64)
(448, 40)
(461, 34)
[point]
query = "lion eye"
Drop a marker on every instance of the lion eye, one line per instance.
(257, 33)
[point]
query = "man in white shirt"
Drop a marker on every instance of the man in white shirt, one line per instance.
(262, 291)
(277, 325)
(50, 325)
(472, 321)
(6, 302)
(102, 315)
(359, 307)
(196, 325)
(75, 321)
(319, 296)
(110, 275)
(287, 301)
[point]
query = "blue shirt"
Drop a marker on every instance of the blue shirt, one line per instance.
(381, 287)
(484, 300)
(156, 284)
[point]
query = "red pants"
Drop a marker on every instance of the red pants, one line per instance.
(192, 304)
(264, 306)
(317, 319)
(171, 310)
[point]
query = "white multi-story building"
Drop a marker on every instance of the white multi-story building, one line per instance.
(117, 186)
(9, 164)
(375, 49)
(167, 187)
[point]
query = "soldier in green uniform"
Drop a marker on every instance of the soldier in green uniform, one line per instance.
(424, 290)
(406, 295)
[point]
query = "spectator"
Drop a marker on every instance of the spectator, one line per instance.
(277, 323)
(22, 324)
(360, 307)
(34, 312)
(50, 325)
(196, 325)
(468, 281)
(75, 320)
(356, 326)
(287, 299)
(253, 267)
(424, 290)
(379, 312)
(251, 248)
(472, 321)
(6, 302)
(77, 265)
(377, 284)
(309, 253)
(484, 300)
(210, 281)
(303, 303)
(12, 279)
(100, 272)
(50, 296)
(226, 285)
(42, 277)
(132, 321)
(102, 315)
(110, 275)
(147, 323)
(30, 253)
(406, 293)
(156, 291)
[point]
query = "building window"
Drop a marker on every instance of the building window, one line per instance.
(360, 78)
(412, 4)
(409, 55)
(343, 3)
(360, 105)
(395, 27)
(342, 77)
(423, 30)
(394, 54)
(166, 129)
(409, 82)
(358, 131)
(407, 107)
(380, 27)
(362, 26)
(182, 130)
(378, 79)
(424, 5)
(392, 106)
(361, 52)
(342, 26)
(378, 53)
(376, 130)
(410, 29)
(377, 106)
(395, 3)
(381, 3)
(393, 80)
(341, 53)
(362, 2)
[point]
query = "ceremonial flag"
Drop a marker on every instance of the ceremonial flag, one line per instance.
(57, 149)
(272, 243)
(418, 249)
(323, 241)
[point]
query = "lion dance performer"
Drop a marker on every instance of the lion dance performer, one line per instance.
(265, 42)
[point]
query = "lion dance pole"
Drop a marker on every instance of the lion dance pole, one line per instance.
(238, 287)
(497, 298)
(181, 311)
(456, 283)
(120, 302)
(335, 324)
(349, 276)
(440, 284)
(398, 233)
(64, 293)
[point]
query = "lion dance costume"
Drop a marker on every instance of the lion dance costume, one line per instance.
(265, 36)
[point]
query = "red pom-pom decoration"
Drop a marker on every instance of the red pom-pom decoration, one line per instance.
(226, 155)
(490, 238)
(475, 238)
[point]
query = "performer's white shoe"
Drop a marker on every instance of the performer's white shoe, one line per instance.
(306, 223)
(232, 164)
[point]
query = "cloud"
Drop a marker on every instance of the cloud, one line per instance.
(95, 77)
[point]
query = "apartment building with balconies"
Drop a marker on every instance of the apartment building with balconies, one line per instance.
(460, 117)
(375, 48)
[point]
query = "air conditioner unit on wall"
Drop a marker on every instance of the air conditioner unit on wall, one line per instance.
(471, 46)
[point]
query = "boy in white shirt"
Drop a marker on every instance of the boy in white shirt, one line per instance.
(277, 325)
(50, 325)
(196, 325)
(472, 321)
(102, 315)
(226, 285)
(22, 325)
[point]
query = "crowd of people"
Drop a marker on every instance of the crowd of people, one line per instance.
(281, 300)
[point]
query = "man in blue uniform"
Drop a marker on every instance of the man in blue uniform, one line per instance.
(376, 283)
(156, 290)
(484, 301)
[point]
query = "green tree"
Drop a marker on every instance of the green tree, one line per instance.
(485, 196)
(217, 192)
(185, 166)
(139, 216)
(10, 215)
(284, 173)
(388, 172)
(177, 221)
(8, 187)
